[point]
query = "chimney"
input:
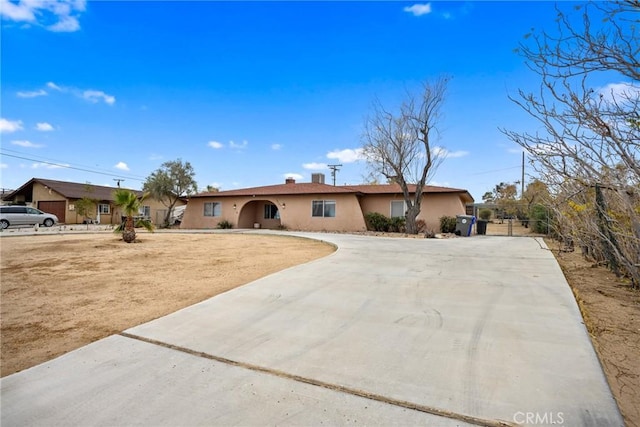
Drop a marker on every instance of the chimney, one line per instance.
(317, 178)
(289, 181)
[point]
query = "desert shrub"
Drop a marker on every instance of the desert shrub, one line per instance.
(377, 222)
(539, 219)
(225, 224)
(397, 224)
(485, 214)
(447, 224)
(421, 226)
(282, 227)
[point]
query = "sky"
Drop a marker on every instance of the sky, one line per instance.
(250, 93)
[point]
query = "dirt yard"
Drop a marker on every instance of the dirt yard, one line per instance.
(60, 292)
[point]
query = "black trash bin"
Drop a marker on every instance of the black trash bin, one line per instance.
(481, 226)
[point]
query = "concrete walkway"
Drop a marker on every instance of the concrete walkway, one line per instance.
(465, 331)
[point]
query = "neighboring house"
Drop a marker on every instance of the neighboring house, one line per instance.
(60, 198)
(316, 206)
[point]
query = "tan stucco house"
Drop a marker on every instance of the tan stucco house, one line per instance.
(60, 197)
(316, 206)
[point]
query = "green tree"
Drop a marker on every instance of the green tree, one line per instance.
(400, 145)
(130, 204)
(171, 182)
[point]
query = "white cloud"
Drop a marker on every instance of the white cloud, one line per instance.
(3, 165)
(276, 147)
(238, 146)
(443, 152)
(314, 166)
(8, 126)
(44, 127)
(91, 95)
(347, 155)
(121, 166)
(52, 85)
(619, 91)
(32, 94)
(515, 150)
(43, 165)
(215, 144)
(97, 95)
(20, 12)
(56, 15)
(295, 176)
(419, 9)
(26, 144)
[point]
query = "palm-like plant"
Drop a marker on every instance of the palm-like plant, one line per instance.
(130, 204)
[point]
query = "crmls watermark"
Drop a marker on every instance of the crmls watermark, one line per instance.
(539, 418)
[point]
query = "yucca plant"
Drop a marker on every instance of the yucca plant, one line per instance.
(130, 204)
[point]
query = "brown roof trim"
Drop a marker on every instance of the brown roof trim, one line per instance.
(315, 188)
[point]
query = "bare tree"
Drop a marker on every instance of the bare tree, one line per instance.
(400, 145)
(589, 152)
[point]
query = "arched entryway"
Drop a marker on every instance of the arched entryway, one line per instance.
(259, 214)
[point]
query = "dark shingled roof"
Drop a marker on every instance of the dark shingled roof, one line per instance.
(72, 190)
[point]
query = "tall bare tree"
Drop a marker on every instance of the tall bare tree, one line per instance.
(400, 146)
(589, 152)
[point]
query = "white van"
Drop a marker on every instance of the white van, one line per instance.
(24, 215)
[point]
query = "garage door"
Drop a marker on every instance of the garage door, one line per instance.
(56, 207)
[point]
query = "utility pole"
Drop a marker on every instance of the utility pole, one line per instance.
(334, 169)
(118, 181)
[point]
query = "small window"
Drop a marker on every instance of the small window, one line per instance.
(271, 211)
(33, 211)
(398, 209)
(104, 209)
(323, 208)
(145, 211)
(212, 209)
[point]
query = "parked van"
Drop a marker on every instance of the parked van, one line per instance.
(24, 215)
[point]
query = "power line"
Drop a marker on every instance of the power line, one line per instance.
(61, 165)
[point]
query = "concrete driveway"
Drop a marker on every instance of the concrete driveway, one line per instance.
(465, 331)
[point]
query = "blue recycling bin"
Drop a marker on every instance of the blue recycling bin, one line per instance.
(464, 224)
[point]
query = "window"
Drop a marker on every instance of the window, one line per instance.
(145, 211)
(271, 211)
(104, 208)
(323, 208)
(33, 211)
(398, 208)
(212, 209)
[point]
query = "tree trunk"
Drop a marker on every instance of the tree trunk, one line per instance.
(129, 232)
(410, 223)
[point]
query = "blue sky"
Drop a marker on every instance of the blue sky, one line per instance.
(251, 92)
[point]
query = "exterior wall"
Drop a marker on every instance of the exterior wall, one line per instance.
(434, 205)
(295, 213)
(42, 194)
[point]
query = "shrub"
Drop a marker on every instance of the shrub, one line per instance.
(485, 214)
(377, 222)
(224, 224)
(447, 224)
(421, 226)
(397, 224)
(539, 219)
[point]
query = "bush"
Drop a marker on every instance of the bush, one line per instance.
(485, 214)
(377, 222)
(448, 224)
(539, 219)
(224, 224)
(397, 224)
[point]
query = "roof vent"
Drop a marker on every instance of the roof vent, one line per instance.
(317, 178)
(290, 181)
